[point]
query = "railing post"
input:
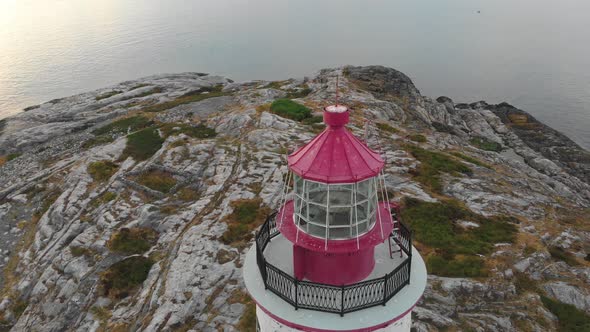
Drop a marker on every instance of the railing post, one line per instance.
(296, 294)
(385, 289)
(342, 301)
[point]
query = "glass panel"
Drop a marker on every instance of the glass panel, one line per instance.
(341, 195)
(340, 233)
(339, 216)
(362, 210)
(316, 230)
(362, 227)
(364, 189)
(317, 214)
(318, 192)
(303, 210)
(298, 185)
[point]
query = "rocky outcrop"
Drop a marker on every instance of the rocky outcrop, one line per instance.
(57, 219)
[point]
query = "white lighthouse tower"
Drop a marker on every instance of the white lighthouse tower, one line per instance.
(335, 256)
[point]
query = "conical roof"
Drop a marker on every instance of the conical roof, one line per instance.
(336, 155)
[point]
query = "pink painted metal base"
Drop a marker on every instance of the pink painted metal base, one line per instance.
(333, 269)
(334, 262)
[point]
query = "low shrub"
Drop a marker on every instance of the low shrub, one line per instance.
(187, 98)
(387, 128)
(483, 143)
(198, 131)
(143, 144)
(98, 140)
(290, 109)
(124, 126)
(247, 322)
(298, 93)
(417, 138)
(157, 180)
(435, 225)
(103, 199)
(313, 120)
(571, 319)
(123, 278)
(102, 170)
(247, 215)
(19, 308)
(132, 241)
(468, 267)
(471, 160)
(81, 251)
(188, 194)
(432, 164)
(12, 156)
(562, 255)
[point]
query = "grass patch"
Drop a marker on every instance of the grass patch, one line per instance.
(108, 94)
(483, 143)
(247, 215)
(19, 308)
(102, 170)
(290, 109)
(81, 251)
(188, 194)
(47, 202)
(471, 160)
(313, 120)
(123, 278)
(13, 156)
(187, 98)
(124, 126)
(133, 241)
(157, 180)
(298, 93)
(151, 91)
(143, 144)
(435, 225)
(103, 199)
(417, 138)
(386, 128)
(524, 284)
(432, 165)
(98, 140)
(562, 255)
(467, 267)
(571, 319)
(198, 131)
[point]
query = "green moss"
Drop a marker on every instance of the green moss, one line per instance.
(432, 165)
(108, 94)
(468, 267)
(485, 144)
(102, 170)
(151, 91)
(247, 215)
(386, 128)
(198, 131)
(417, 138)
(123, 126)
(562, 255)
(290, 109)
(471, 160)
(143, 144)
(123, 278)
(571, 319)
(190, 97)
(132, 241)
(157, 180)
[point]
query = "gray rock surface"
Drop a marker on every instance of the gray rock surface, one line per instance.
(56, 225)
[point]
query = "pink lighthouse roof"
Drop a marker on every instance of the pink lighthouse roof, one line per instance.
(336, 155)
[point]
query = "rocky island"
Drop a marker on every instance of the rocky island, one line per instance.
(130, 208)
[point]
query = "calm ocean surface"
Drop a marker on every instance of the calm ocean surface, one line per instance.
(534, 54)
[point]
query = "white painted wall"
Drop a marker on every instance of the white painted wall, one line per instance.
(268, 324)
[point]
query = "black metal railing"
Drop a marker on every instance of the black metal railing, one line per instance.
(330, 298)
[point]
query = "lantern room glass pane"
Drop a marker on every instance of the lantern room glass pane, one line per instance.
(318, 192)
(317, 214)
(340, 195)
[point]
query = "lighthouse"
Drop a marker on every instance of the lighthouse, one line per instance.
(335, 256)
